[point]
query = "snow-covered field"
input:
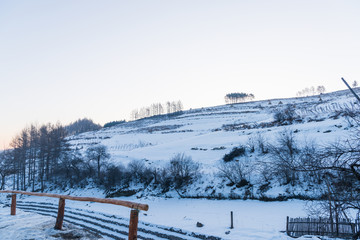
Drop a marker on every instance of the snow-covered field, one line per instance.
(252, 219)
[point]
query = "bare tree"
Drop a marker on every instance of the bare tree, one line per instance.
(311, 91)
(99, 154)
(284, 156)
(355, 84)
(136, 169)
(183, 170)
(157, 109)
(320, 89)
(5, 166)
(237, 172)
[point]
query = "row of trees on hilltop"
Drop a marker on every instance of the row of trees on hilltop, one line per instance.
(311, 91)
(157, 109)
(82, 125)
(238, 97)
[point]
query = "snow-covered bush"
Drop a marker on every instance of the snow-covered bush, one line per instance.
(235, 152)
(258, 142)
(286, 114)
(137, 172)
(114, 176)
(237, 172)
(183, 170)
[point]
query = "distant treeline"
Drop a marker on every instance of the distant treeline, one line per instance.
(238, 97)
(157, 109)
(82, 125)
(311, 91)
(113, 123)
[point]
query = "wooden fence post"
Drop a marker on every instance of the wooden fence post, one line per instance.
(232, 220)
(60, 216)
(133, 226)
(13, 204)
(287, 225)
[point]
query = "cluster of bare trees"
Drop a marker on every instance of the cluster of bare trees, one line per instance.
(178, 173)
(311, 91)
(335, 166)
(238, 97)
(33, 157)
(157, 109)
(40, 158)
(334, 169)
(39, 155)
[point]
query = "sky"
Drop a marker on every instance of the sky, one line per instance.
(65, 60)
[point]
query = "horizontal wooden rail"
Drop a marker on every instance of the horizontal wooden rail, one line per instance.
(132, 205)
(134, 214)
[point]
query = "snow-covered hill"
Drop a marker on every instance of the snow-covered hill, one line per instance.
(207, 134)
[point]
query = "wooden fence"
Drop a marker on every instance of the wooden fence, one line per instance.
(134, 214)
(296, 227)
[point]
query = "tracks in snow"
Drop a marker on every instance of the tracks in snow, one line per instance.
(111, 226)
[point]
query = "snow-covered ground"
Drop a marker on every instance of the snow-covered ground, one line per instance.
(253, 220)
(26, 226)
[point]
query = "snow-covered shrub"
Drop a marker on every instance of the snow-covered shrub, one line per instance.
(163, 178)
(286, 114)
(139, 173)
(114, 176)
(237, 172)
(266, 172)
(251, 143)
(136, 168)
(183, 170)
(258, 142)
(235, 152)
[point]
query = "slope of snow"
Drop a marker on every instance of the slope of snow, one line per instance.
(157, 139)
(207, 134)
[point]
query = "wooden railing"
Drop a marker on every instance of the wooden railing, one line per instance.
(134, 214)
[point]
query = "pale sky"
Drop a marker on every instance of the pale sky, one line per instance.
(62, 60)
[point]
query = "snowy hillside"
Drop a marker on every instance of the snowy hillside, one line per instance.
(208, 134)
(205, 135)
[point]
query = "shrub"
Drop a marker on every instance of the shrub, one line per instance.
(236, 172)
(285, 114)
(183, 170)
(285, 157)
(235, 152)
(114, 176)
(164, 179)
(139, 173)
